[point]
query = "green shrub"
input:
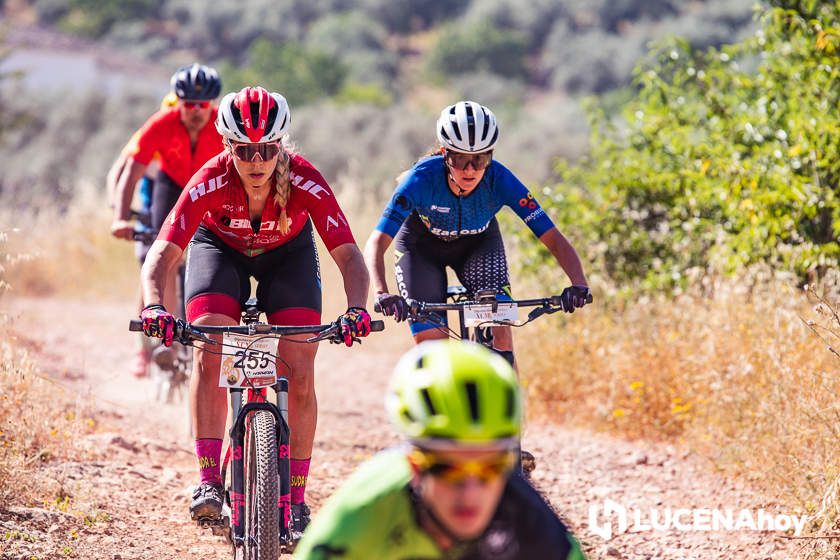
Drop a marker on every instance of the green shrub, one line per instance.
(723, 159)
(479, 46)
(298, 73)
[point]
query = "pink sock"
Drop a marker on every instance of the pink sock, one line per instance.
(209, 452)
(300, 471)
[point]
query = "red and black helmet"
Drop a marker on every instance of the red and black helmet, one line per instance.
(253, 115)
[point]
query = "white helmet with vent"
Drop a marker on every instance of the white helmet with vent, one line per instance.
(467, 127)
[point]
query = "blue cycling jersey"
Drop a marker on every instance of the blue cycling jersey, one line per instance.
(449, 216)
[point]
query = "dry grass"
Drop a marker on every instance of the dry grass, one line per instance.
(69, 255)
(736, 376)
(40, 424)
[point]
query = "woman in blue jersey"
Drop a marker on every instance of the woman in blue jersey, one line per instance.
(443, 214)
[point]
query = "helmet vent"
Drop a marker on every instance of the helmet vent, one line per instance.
(428, 400)
(510, 404)
(472, 399)
(471, 125)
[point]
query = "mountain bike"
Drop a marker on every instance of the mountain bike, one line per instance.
(477, 317)
(258, 495)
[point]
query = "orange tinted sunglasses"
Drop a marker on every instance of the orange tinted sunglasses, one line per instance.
(485, 470)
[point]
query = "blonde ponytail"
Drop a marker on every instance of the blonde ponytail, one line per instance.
(283, 189)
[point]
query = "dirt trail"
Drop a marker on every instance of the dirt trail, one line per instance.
(142, 480)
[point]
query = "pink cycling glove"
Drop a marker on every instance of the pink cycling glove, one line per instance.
(158, 322)
(354, 322)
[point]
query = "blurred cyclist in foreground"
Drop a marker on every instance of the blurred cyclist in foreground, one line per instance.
(451, 491)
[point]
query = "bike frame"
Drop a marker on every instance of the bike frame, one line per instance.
(256, 400)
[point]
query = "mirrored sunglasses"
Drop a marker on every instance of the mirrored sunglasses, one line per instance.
(461, 161)
(486, 470)
(248, 152)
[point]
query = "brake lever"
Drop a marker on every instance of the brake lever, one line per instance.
(544, 310)
(536, 312)
(331, 333)
(189, 334)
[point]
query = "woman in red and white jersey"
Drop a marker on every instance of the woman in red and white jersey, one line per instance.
(250, 212)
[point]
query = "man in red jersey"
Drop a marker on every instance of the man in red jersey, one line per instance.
(184, 137)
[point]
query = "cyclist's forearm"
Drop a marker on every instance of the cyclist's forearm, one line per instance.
(352, 266)
(132, 173)
(565, 255)
(375, 249)
(113, 178)
(161, 262)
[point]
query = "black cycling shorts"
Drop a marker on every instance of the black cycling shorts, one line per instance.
(164, 196)
(288, 279)
(421, 259)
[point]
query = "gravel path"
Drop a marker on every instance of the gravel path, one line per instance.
(143, 477)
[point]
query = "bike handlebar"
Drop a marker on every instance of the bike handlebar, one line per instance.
(416, 306)
(144, 236)
(186, 332)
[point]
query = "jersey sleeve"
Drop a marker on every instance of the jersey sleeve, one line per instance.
(146, 141)
(368, 517)
(131, 146)
(323, 208)
(401, 204)
(517, 196)
(193, 203)
(341, 533)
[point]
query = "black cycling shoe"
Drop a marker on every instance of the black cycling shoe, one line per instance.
(527, 462)
(298, 523)
(207, 502)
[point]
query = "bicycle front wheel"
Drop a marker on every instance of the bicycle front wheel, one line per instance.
(262, 519)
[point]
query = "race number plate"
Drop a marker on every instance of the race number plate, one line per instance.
(478, 313)
(251, 363)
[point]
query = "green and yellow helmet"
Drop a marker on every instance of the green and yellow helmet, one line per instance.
(447, 392)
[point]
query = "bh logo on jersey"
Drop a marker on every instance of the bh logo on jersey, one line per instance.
(528, 201)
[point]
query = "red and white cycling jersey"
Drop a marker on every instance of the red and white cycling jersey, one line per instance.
(216, 198)
(164, 135)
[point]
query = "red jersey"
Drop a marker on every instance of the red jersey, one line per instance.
(216, 198)
(166, 135)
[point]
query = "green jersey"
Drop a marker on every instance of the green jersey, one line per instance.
(374, 516)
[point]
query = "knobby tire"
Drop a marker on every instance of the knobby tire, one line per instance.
(261, 489)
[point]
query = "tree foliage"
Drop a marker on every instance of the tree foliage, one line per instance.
(359, 44)
(95, 17)
(299, 73)
(477, 47)
(725, 158)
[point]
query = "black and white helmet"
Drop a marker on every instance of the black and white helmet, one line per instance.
(467, 127)
(196, 81)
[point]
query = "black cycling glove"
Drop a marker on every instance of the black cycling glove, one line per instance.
(574, 297)
(393, 305)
